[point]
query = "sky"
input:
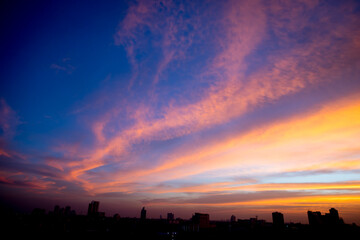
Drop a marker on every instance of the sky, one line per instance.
(223, 107)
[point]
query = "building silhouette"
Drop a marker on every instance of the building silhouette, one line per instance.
(201, 220)
(170, 217)
(199, 226)
(143, 214)
(314, 218)
(93, 209)
(331, 218)
(67, 211)
(278, 219)
(57, 210)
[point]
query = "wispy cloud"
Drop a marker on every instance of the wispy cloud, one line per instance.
(172, 32)
(235, 92)
(209, 133)
(286, 138)
(9, 120)
(139, 18)
(64, 66)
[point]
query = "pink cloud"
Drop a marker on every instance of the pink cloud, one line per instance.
(139, 17)
(186, 161)
(233, 93)
(166, 21)
(23, 180)
(182, 120)
(9, 120)
(4, 153)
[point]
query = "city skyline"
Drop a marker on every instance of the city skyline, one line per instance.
(315, 218)
(199, 226)
(240, 108)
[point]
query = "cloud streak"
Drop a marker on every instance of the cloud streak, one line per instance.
(286, 138)
(232, 104)
(229, 98)
(9, 120)
(232, 95)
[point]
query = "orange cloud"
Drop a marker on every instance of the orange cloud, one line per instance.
(328, 131)
(314, 201)
(20, 179)
(234, 187)
(268, 149)
(233, 94)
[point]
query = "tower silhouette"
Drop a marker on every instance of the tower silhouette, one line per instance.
(143, 214)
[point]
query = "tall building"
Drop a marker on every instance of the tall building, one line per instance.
(278, 219)
(201, 220)
(93, 208)
(232, 218)
(143, 214)
(314, 218)
(334, 212)
(331, 218)
(67, 211)
(170, 217)
(57, 210)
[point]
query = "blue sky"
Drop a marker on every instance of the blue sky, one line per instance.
(170, 103)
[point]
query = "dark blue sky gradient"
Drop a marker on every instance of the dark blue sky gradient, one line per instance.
(168, 103)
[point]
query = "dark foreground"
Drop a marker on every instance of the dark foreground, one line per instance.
(46, 225)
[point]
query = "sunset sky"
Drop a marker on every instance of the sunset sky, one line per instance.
(223, 107)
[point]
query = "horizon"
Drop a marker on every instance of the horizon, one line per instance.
(228, 108)
(163, 216)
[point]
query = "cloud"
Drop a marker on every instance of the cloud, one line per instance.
(253, 151)
(118, 195)
(179, 120)
(260, 200)
(68, 69)
(32, 184)
(223, 103)
(138, 19)
(64, 66)
(225, 188)
(9, 120)
(235, 87)
(16, 163)
(36, 173)
(162, 30)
